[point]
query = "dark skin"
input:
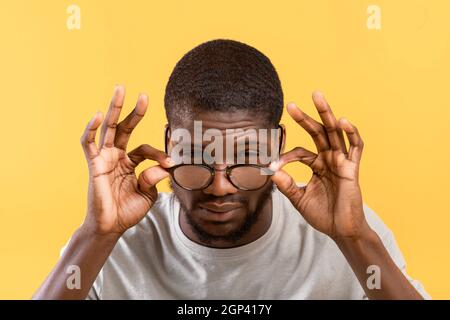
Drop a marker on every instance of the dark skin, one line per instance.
(222, 191)
(118, 199)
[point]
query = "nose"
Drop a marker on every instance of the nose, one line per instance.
(220, 186)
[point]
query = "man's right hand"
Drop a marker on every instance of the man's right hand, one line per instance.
(117, 199)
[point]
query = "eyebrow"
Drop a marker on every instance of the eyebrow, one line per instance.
(206, 143)
(192, 151)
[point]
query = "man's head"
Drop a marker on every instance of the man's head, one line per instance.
(224, 84)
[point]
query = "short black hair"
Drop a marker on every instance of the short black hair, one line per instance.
(223, 75)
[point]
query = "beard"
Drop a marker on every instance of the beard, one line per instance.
(237, 233)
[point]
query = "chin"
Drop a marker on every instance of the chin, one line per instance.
(220, 229)
(219, 226)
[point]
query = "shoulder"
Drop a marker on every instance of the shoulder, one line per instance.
(137, 250)
(375, 222)
(293, 219)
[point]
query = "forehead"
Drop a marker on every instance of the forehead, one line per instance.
(217, 134)
(238, 119)
(220, 130)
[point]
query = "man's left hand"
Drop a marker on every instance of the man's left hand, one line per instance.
(331, 201)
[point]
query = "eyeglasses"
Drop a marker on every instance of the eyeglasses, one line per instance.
(200, 176)
(247, 177)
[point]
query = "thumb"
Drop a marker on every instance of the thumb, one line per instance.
(150, 177)
(286, 184)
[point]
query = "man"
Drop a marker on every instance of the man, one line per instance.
(228, 231)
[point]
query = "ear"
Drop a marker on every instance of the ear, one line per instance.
(283, 141)
(166, 137)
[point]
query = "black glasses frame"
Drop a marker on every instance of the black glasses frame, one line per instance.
(212, 170)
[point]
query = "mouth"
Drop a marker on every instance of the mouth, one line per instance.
(220, 207)
(220, 212)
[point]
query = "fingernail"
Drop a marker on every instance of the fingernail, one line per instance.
(318, 93)
(143, 96)
(345, 120)
(93, 117)
(292, 103)
(170, 161)
(117, 87)
(274, 166)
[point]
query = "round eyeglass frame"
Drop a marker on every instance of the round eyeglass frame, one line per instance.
(227, 170)
(212, 171)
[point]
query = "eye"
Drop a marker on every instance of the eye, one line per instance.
(207, 158)
(247, 156)
(197, 156)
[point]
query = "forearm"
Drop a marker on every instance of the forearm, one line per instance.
(88, 252)
(368, 250)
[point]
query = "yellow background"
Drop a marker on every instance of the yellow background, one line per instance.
(392, 83)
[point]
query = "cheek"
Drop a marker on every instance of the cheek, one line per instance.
(258, 197)
(253, 204)
(187, 198)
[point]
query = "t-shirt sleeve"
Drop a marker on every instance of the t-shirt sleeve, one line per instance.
(388, 239)
(94, 292)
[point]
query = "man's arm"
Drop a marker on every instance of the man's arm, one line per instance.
(332, 202)
(368, 250)
(117, 199)
(87, 252)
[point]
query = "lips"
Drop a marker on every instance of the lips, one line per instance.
(220, 208)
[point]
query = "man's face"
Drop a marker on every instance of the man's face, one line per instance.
(222, 212)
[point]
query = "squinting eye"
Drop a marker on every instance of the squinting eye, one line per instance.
(207, 158)
(247, 156)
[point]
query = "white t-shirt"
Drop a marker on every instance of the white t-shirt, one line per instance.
(155, 260)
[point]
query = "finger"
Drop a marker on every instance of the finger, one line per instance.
(286, 184)
(342, 139)
(297, 154)
(109, 125)
(354, 138)
(330, 123)
(126, 127)
(88, 138)
(146, 151)
(314, 128)
(150, 177)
